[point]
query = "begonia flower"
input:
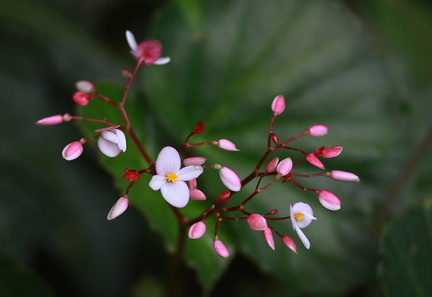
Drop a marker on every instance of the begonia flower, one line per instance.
(170, 179)
(149, 50)
(111, 142)
(118, 208)
(301, 215)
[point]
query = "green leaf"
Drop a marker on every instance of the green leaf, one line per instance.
(405, 246)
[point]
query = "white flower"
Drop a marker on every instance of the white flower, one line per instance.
(170, 179)
(111, 142)
(301, 216)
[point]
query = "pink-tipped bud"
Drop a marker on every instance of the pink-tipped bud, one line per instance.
(197, 230)
(227, 145)
(257, 222)
(196, 194)
(80, 98)
(272, 165)
(72, 151)
(220, 248)
(289, 243)
(344, 176)
(230, 179)
(118, 208)
(329, 200)
(274, 138)
(195, 161)
(318, 130)
(331, 152)
(268, 236)
(311, 158)
(85, 86)
(285, 166)
(49, 121)
(278, 105)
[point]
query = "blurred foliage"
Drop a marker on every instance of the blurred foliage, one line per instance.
(361, 67)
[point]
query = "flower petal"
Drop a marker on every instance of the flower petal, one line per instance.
(189, 172)
(162, 61)
(121, 140)
(157, 182)
(176, 194)
(303, 238)
(108, 148)
(168, 161)
(131, 40)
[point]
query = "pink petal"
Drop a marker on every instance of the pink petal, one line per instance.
(168, 161)
(176, 194)
(196, 161)
(196, 194)
(268, 236)
(331, 152)
(311, 158)
(227, 145)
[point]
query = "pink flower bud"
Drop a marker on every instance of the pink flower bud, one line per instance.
(318, 130)
(329, 200)
(331, 152)
(289, 243)
(197, 230)
(257, 222)
(344, 176)
(220, 248)
(227, 145)
(49, 121)
(72, 151)
(230, 179)
(196, 194)
(311, 158)
(278, 105)
(118, 208)
(268, 236)
(85, 86)
(272, 165)
(195, 161)
(149, 50)
(285, 166)
(80, 98)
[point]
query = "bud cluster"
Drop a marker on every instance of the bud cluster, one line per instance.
(177, 178)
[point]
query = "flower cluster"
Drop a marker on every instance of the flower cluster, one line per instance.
(177, 178)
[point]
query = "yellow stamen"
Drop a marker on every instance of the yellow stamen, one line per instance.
(171, 177)
(299, 216)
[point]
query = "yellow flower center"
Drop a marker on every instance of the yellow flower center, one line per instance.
(171, 177)
(299, 216)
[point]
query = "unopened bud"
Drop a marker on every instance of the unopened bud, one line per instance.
(289, 243)
(285, 166)
(344, 176)
(329, 200)
(268, 236)
(272, 165)
(311, 158)
(318, 130)
(80, 98)
(220, 248)
(50, 121)
(195, 161)
(197, 230)
(331, 152)
(118, 208)
(257, 222)
(199, 128)
(85, 86)
(227, 145)
(278, 105)
(72, 151)
(230, 179)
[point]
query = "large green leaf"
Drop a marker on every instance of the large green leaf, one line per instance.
(406, 245)
(227, 65)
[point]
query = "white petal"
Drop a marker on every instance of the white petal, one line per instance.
(121, 140)
(303, 238)
(168, 161)
(131, 40)
(108, 148)
(110, 135)
(162, 61)
(293, 220)
(176, 194)
(189, 172)
(157, 182)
